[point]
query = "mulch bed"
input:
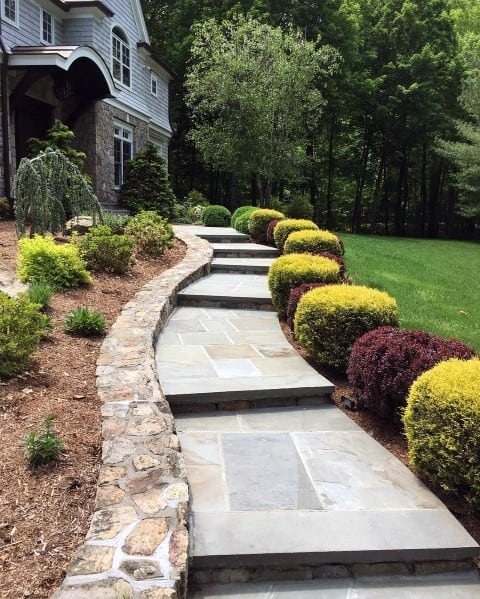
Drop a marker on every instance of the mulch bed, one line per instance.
(45, 512)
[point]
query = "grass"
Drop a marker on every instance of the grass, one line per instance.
(436, 283)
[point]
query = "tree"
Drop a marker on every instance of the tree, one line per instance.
(254, 95)
(146, 185)
(59, 137)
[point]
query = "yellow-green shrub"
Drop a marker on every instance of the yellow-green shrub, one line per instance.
(328, 320)
(442, 423)
(258, 223)
(59, 265)
(292, 270)
(289, 225)
(313, 242)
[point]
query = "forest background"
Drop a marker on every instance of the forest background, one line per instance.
(395, 146)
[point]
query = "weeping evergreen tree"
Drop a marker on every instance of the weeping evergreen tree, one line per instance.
(49, 189)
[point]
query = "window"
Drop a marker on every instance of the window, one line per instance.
(120, 57)
(122, 150)
(10, 11)
(46, 26)
(154, 85)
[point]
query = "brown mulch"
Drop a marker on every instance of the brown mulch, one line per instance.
(45, 512)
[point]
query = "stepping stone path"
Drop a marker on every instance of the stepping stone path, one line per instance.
(290, 498)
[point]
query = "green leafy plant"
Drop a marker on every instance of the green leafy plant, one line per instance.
(285, 227)
(259, 221)
(40, 293)
(21, 328)
(103, 251)
(298, 207)
(312, 242)
(239, 211)
(152, 234)
(43, 445)
(59, 137)
(241, 222)
(115, 222)
(85, 322)
(59, 265)
(216, 216)
(145, 185)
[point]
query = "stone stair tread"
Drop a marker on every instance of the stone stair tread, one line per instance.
(244, 250)
(219, 234)
(233, 287)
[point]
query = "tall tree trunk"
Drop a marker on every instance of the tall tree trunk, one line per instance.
(423, 191)
(357, 203)
(433, 200)
(259, 190)
(331, 169)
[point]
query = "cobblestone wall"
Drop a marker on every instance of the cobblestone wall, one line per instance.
(137, 544)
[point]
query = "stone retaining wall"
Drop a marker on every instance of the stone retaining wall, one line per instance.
(137, 544)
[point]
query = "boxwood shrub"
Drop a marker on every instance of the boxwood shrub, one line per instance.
(312, 242)
(289, 225)
(239, 211)
(241, 222)
(104, 251)
(153, 234)
(330, 319)
(294, 297)
(216, 216)
(258, 223)
(442, 421)
(291, 271)
(385, 362)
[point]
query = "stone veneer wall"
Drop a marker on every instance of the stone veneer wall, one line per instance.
(136, 547)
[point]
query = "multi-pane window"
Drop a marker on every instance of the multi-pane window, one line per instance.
(10, 10)
(47, 27)
(120, 57)
(154, 85)
(122, 150)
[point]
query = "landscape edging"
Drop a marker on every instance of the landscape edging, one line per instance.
(137, 544)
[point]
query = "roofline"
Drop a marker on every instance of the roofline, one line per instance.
(149, 51)
(67, 5)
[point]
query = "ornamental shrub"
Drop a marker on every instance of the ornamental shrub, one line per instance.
(239, 211)
(258, 223)
(103, 251)
(289, 225)
(216, 216)
(313, 242)
(442, 420)
(59, 265)
(299, 207)
(330, 319)
(40, 293)
(145, 183)
(294, 297)
(241, 222)
(21, 328)
(152, 233)
(340, 261)
(85, 322)
(290, 271)
(385, 362)
(270, 230)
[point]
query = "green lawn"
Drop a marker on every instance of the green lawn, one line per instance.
(436, 283)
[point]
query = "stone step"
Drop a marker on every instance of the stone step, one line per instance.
(239, 250)
(244, 265)
(439, 586)
(217, 234)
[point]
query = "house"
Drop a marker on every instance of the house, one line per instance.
(89, 64)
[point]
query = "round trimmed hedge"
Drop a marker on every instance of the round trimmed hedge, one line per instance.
(292, 270)
(258, 223)
(295, 296)
(329, 320)
(442, 424)
(241, 222)
(289, 225)
(216, 216)
(239, 211)
(385, 362)
(312, 242)
(270, 230)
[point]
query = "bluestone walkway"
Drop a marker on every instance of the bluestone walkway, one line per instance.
(297, 491)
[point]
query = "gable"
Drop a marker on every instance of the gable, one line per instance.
(139, 21)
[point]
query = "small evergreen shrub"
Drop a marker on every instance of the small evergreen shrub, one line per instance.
(385, 362)
(241, 222)
(299, 207)
(330, 319)
(339, 260)
(40, 293)
(289, 225)
(59, 265)
(216, 216)
(442, 424)
(153, 234)
(115, 222)
(258, 223)
(291, 271)
(239, 211)
(146, 185)
(21, 328)
(270, 231)
(105, 252)
(43, 445)
(294, 297)
(85, 322)
(312, 242)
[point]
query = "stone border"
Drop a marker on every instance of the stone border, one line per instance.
(137, 544)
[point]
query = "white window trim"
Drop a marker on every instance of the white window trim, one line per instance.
(124, 127)
(44, 12)
(16, 22)
(154, 79)
(130, 66)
